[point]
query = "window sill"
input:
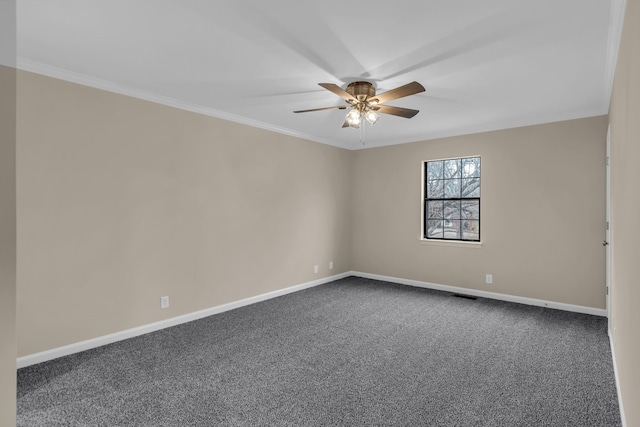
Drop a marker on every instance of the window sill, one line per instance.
(451, 243)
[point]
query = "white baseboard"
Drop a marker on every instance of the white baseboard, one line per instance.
(483, 294)
(615, 373)
(66, 350)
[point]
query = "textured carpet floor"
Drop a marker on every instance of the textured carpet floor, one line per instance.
(352, 352)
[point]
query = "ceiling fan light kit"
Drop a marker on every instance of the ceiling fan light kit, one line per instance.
(363, 103)
(353, 118)
(371, 116)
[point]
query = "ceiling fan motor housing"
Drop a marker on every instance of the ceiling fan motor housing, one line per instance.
(361, 90)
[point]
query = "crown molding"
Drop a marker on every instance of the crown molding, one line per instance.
(89, 81)
(36, 67)
(517, 122)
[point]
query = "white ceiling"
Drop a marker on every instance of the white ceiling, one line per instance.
(486, 64)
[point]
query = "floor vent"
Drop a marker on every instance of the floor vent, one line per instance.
(464, 296)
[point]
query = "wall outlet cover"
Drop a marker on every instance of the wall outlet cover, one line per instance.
(164, 302)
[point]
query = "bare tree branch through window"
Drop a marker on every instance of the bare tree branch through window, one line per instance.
(452, 199)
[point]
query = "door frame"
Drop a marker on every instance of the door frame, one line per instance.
(607, 238)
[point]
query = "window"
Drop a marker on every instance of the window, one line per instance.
(452, 199)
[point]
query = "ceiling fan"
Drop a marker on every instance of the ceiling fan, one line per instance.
(364, 103)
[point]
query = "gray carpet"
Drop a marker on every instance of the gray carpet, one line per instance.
(354, 352)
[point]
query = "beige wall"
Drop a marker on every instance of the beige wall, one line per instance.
(625, 213)
(542, 213)
(122, 201)
(7, 246)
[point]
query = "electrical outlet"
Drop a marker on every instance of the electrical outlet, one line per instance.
(164, 302)
(330, 265)
(315, 269)
(489, 279)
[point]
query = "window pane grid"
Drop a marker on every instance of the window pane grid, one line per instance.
(452, 199)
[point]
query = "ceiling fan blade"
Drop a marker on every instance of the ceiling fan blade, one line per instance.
(399, 92)
(337, 107)
(338, 91)
(396, 111)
